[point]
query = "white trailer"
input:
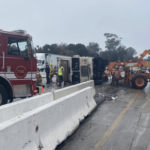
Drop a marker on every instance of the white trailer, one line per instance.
(77, 69)
(42, 58)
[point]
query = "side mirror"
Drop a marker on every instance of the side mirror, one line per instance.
(27, 57)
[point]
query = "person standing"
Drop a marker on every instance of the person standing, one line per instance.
(39, 77)
(54, 70)
(47, 70)
(63, 73)
(117, 75)
(138, 70)
(51, 72)
(113, 78)
(60, 73)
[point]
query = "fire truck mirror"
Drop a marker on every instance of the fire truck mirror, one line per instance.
(27, 57)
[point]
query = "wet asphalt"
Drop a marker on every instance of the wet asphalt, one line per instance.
(121, 120)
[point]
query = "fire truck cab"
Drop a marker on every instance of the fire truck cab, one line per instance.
(18, 66)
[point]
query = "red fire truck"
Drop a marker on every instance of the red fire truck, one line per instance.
(18, 66)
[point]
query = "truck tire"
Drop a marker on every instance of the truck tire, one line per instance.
(3, 95)
(98, 82)
(139, 81)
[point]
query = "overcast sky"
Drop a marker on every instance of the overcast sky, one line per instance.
(79, 21)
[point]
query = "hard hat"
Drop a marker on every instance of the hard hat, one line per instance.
(50, 63)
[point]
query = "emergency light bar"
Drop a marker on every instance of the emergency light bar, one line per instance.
(20, 31)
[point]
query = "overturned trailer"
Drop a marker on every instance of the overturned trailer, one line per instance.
(99, 66)
(80, 69)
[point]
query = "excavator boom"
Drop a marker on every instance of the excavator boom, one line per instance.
(143, 54)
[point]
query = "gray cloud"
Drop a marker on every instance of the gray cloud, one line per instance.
(79, 21)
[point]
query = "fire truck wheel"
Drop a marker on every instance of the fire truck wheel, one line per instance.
(98, 82)
(139, 81)
(3, 95)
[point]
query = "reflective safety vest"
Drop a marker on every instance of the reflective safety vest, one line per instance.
(60, 72)
(62, 68)
(138, 70)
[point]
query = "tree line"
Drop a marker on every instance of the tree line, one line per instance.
(114, 49)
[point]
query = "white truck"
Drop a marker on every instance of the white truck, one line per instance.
(42, 58)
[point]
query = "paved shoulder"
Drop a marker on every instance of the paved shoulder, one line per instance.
(116, 124)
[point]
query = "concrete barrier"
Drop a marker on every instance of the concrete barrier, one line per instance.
(47, 126)
(68, 90)
(17, 108)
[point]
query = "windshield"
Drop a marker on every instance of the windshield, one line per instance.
(17, 46)
(39, 61)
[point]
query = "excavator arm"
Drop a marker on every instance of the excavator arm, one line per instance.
(143, 54)
(130, 64)
(111, 66)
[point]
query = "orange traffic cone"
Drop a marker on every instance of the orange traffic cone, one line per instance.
(42, 89)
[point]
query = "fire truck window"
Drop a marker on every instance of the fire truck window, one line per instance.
(13, 49)
(23, 48)
(17, 47)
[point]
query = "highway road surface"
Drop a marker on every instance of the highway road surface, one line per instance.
(119, 124)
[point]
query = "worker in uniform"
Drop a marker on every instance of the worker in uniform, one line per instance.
(63, 70)
(138, 70)
(113, 70)
(51, 72)
(113, 79)
(39, 80)
(38, 77)
(47, 70)
(117, 75)
(54, 70)
(120, 70)
(61, 73)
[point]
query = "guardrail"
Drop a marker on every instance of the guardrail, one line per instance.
(48, 125)
(15, 109)
(71, 89)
